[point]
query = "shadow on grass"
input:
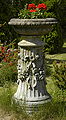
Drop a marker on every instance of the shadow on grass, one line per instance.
(63, 50)
(61, 53)
(50, 61)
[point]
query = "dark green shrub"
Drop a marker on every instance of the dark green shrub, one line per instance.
(7, 12)
(54, 40)
(19, 4)
(59, 74)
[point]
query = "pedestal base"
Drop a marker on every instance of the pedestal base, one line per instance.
(33, 106)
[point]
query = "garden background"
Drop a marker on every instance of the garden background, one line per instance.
(55, 52)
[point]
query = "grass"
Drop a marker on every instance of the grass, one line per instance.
(54, 110)
(60, 56)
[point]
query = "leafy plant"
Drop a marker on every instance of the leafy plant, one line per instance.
(8, 72)
(7, 34)
(59, 74)
(32, 11)
(8, 53)
(8, 63)
(53, 40)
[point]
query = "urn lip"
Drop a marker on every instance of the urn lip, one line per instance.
(22, 22)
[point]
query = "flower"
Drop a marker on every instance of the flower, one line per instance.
(33, 10)
(42, 6)
(3, 49)
(31, 6)
(5, 60)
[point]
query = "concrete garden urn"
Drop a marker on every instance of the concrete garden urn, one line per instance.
(31, 60)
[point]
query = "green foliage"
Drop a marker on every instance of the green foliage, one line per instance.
(53, 41)
(60, 74)
(19, 4)
(8, 63)
(32, 11)
(8, 72)
(7, 103)
(60, 11)
(25, 14)
(6, 13)
(6, 96)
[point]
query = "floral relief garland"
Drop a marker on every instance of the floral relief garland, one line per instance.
(31, 73)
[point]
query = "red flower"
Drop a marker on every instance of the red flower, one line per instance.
(0, 54)
(5, 60)
(42, 6)
(33, 10)
(31, 6)
(3, 49)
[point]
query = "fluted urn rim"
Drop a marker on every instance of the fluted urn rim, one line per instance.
(22, 22)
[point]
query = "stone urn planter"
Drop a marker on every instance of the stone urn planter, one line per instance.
(31, 63)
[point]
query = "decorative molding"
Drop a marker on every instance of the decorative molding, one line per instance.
(23, 22)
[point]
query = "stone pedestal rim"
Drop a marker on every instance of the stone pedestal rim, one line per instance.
(22, 22)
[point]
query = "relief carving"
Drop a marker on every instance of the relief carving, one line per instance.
(32, 72)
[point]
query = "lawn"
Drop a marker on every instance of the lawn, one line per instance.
(54, 110)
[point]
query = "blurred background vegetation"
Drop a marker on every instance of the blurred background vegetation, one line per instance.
(53, 41)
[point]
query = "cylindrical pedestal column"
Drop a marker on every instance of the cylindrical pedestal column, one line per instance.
(31, 72)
